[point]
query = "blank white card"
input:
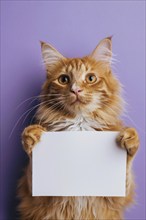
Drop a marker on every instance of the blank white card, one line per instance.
(78, 163)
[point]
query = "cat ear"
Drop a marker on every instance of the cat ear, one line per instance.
(103, 51)
(50, 56)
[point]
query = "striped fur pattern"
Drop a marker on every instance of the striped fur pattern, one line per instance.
(98, 107)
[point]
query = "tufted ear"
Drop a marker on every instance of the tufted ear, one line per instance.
(50, 56)
(103, 51)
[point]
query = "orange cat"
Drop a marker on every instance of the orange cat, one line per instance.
(78, 94)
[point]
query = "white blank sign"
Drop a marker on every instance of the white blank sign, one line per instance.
(78, 163)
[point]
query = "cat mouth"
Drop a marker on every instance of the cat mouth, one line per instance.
(77, 101)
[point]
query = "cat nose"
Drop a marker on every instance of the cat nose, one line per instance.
(76, 90)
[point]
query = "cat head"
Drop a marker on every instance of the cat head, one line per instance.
(80, 85)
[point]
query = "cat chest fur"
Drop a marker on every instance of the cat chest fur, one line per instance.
(79, 123)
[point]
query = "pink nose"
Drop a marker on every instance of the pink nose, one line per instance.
(76, 90)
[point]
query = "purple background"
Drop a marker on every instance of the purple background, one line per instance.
(74, 28)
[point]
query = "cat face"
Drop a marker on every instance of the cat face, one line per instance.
(79, 85)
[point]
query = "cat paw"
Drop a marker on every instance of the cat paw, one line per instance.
(129, 140)
(31, 136)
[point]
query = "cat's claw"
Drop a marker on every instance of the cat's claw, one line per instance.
(129, 140)
(31, 136)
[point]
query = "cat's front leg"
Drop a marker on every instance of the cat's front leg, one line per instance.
(31, 136)
(129, 140)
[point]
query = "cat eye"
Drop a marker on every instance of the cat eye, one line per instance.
(91, 78)
(64, 79)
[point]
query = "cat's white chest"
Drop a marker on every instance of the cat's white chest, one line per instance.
(80, 124)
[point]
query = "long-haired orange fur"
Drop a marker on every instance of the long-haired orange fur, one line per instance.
(78, 94)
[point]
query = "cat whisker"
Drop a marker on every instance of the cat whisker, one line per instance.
(127, 116)
(26, 112)
(53, 107)
(38, 97)
(111, 108)
(33, 97)
(33, 109)
(49, 102)
(20, 119)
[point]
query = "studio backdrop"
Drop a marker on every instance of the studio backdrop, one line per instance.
(74, 28)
